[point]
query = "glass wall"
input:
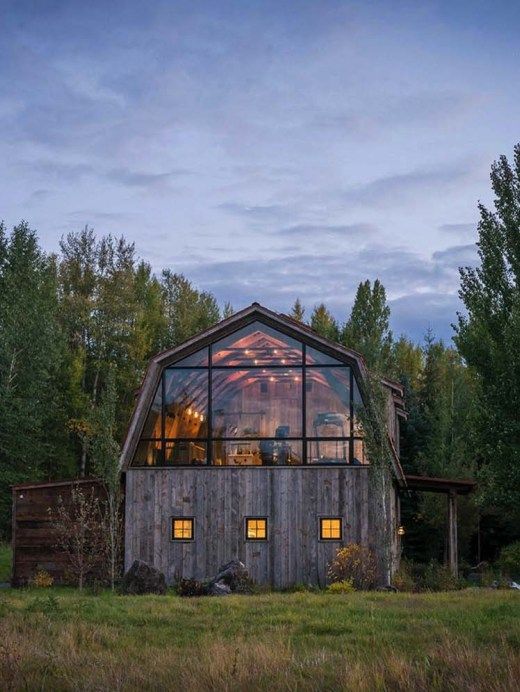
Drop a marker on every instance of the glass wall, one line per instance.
(254, 398)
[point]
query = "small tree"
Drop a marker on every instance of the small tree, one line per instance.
(297, 311)
(371, 416)
(105, 457)
(77, 527)
(324, 323)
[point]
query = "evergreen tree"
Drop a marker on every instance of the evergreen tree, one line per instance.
(31, 445)
(324, 323)
(488, 337)
(297, 311)
(227, 310)
(367, 329)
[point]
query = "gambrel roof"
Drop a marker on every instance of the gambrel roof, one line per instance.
(252, 313)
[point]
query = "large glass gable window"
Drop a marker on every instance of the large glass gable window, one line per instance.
(254, 398)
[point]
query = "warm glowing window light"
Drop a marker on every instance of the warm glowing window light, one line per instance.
(330, 529)
(256, 529)
(182, 529)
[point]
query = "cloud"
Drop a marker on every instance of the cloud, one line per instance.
(461, 229)
(89, 215)
(357, 230)
(457, 255)
(267, 212)
(402, 188)
(130, 178)
(420, 109)
(39, 195)
(61, 171)
(416, 313)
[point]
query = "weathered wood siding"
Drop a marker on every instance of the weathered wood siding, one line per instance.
(220, 499)
(33, 538)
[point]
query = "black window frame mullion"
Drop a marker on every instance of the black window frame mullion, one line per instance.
(304, 403)
(304, 439)
(209, 451)
(163, 417)
(351, 444)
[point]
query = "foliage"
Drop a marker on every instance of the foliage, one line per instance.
(105, 458)
(5, 562)
(111, 312)
(435, 577)
(187, 310)
(42, 579)
(403, 579)
(297, 311)
(78, 530)
(372, 414)
(343, 586)
(32, 431)
(324, 323)
(48, 605)
(355, 563)
(488, 335)
(509, 561)
(460, 640)
(367, 330)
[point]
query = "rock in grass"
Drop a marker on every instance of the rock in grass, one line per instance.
(143, 578)
(234, 575)
(218, 588)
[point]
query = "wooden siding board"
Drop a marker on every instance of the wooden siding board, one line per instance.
(33, 539)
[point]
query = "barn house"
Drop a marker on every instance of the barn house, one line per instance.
(246, 443)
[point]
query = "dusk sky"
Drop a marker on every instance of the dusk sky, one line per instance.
(267, 150)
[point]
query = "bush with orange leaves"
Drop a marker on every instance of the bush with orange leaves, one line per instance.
(356, 563)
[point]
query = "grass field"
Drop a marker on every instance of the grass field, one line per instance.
(59, 640)
(5, 562)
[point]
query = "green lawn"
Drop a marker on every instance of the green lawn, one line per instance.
(58, 639)
(5, 562)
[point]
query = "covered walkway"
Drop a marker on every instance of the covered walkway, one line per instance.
(451, 488)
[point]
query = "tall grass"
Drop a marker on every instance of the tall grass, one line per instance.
(5, 562)
(57, 640)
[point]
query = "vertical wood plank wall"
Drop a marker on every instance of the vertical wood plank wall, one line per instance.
(219, 499)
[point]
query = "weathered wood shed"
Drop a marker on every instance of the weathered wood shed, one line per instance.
(33, 537)
(246, 442)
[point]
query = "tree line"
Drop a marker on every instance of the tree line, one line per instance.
(90, 317)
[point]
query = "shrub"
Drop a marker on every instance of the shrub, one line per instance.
(509, 561)
(42, 580)
(345, 586)
(403, 579)
(436, 577)
(191, 587)
(356, 563)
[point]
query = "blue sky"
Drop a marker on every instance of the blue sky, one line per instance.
(268, 150)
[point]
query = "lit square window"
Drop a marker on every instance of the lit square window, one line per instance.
(182, 529)
(256, 529)
(330, 529)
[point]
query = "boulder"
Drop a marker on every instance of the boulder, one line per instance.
(233, 575)
(218, 588)
(143, 578)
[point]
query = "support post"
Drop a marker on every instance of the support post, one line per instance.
(453, 548)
